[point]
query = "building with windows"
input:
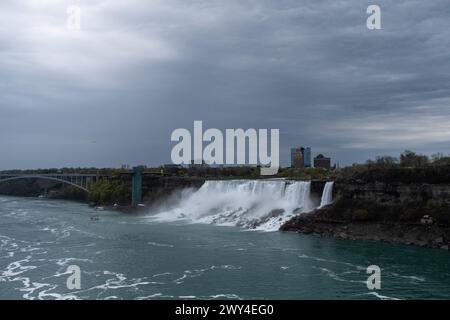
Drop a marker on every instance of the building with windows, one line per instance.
(296, 158)
(306, 152)
(322, 162)
(301, 157)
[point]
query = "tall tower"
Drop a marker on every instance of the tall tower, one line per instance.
(296, 158)
(306, 153)
(136, 186)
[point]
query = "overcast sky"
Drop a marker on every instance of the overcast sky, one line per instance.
(112, 92)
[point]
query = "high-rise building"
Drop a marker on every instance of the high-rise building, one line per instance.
(322, 162)
(306, 153)
(296, 158)
(301, 157)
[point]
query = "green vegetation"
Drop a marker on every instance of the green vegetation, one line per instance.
(206, 172)
(409, 168)
(307, 174)
(73, 193)
(430, 175)
(110, 191)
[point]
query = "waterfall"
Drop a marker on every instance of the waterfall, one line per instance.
(253, 204)
(327, 194)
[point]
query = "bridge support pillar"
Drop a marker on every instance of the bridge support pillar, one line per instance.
(136, 188)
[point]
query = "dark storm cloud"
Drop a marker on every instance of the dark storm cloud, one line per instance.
(114, 91)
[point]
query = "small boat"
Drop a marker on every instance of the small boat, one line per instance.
(100, 208)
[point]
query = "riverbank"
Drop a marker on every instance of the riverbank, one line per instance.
(395, 205)
(316, 222)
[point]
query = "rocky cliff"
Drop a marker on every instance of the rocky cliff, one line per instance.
(386, 211)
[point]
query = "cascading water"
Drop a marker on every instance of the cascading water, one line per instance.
(327, 194)
(254, 204)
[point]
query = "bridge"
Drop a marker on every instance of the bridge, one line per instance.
(81, 181)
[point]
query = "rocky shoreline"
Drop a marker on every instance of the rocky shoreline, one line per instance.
(317, 222)
(401, 205)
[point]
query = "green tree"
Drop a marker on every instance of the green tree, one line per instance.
(411, 159)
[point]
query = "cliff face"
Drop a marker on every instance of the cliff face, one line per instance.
(389, 212)
(390, 202)
(396, 193)
(158, 189)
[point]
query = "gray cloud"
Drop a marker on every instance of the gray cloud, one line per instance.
(114, 91)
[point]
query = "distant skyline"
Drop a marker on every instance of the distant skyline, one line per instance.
(112, 93)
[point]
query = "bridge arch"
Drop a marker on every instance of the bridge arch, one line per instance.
(44, 178)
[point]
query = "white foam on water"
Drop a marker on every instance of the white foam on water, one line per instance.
(412, 278)
(162, 274)
(16, 268)
(156, 244)
(253, 204)
(335, 276)
(382, 297)
(188, 274)
(66, 261)
(225, 296)
(152, 296)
